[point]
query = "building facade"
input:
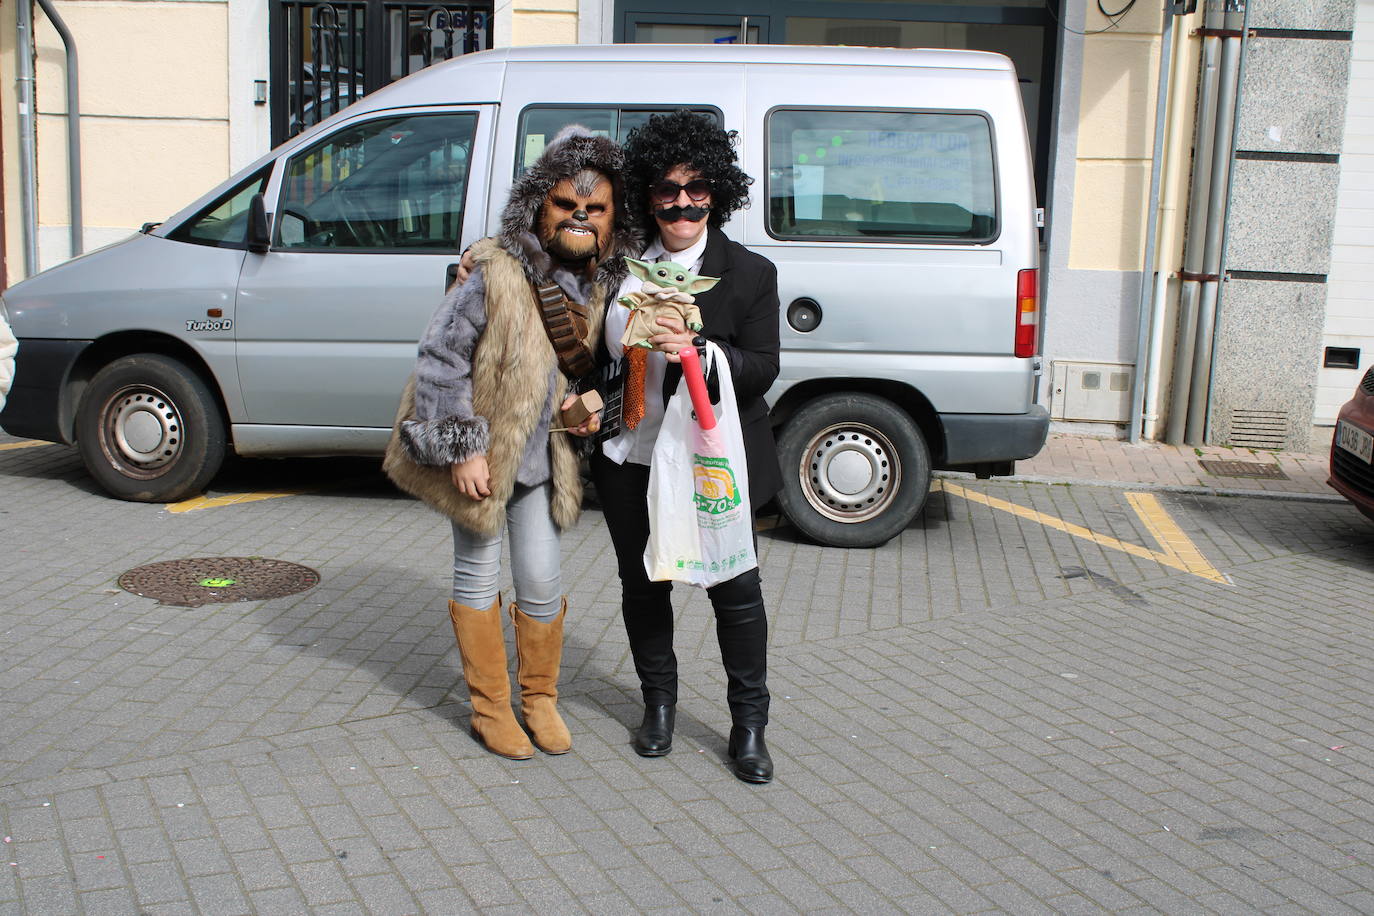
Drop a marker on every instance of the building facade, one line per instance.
(174, 95)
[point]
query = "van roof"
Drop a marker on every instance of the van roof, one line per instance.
(759, 54)
(481, 82)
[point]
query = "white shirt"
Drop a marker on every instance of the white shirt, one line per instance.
(637, 445)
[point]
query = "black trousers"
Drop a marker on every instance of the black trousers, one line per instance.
(741, 623)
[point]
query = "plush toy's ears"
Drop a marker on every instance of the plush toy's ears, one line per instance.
(639, 268)
(701, 284)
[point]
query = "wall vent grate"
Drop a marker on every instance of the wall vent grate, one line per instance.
(1258, 428)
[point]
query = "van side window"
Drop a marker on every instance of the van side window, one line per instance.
(384, 185)
(224, 222)
(880, 176)
(540, 124)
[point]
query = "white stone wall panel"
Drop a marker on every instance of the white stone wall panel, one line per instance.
(1350, 294)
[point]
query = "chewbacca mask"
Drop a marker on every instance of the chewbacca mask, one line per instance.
(577, 218)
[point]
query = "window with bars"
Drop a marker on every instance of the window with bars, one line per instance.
(326, 55)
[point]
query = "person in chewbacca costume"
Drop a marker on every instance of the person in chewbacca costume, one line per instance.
(479, 434)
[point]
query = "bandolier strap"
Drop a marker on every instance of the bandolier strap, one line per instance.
(565, 322)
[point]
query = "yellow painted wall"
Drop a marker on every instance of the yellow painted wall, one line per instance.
(1115, 141)
(544, 22)
(9, 141)
(154, 104)
(134, 170)
(166, 61)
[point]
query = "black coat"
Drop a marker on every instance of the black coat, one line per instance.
(740, 313)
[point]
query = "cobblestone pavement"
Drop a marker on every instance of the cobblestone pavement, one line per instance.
(1051, 710)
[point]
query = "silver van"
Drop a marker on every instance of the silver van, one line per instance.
(278, 314)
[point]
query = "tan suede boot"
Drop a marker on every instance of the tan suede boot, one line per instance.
(539, 647)
(482, 644)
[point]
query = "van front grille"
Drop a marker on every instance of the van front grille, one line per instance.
(1367, 383)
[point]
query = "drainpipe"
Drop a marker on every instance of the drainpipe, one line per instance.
(1144, 310)
(28, 166)
(1150, 419)
(1217, 210)
(73, 126)
(1194, 244)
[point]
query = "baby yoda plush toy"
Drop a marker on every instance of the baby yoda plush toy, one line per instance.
(668, 290)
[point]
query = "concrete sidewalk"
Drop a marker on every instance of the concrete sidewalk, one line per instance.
(1206, 469)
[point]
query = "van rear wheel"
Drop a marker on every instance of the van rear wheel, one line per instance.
(149, 430)
(856, 470)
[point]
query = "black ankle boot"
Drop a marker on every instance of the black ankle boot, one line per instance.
(655, 735)
(749, 757)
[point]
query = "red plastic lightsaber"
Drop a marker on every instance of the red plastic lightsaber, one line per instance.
(696, 387)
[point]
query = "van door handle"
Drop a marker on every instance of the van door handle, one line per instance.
(804, 314)
(450, 276)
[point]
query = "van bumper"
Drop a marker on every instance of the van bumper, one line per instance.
(981, 438)
(41, 370)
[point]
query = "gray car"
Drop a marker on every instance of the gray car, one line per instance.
(278, 314)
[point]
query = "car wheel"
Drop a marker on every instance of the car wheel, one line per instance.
(149, 429)
(856, 470)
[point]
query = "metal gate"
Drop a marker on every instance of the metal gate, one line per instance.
(325, 55)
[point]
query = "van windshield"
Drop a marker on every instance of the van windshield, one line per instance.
(223, 222)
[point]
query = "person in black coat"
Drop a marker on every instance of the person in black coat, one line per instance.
(683, 181)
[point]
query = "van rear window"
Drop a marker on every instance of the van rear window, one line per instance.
(541, 123)
(880, 175)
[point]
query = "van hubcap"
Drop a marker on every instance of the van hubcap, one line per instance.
(850, 472)
(143, 431)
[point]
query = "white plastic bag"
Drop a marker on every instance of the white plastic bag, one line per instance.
(701, 527)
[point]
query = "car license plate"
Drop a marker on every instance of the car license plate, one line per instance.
(1355, 440)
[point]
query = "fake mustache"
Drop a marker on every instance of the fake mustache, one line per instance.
(675, 213)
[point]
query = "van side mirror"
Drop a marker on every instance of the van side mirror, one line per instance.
(259, 235)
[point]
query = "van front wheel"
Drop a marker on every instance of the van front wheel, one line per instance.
(856, 470)
(149, 430)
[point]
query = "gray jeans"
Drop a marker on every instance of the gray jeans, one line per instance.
(534, 557)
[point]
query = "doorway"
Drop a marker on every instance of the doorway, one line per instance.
(1023, 30)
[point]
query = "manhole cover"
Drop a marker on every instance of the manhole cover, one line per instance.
(218, 580)
(1266, 469)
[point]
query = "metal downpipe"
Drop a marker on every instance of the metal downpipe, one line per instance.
(1194, 243)
(1174, 173)
(1144, 310)
(73, 127)
(1219, 194)
(28, 162)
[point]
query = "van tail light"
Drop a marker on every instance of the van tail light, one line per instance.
(1027, 312)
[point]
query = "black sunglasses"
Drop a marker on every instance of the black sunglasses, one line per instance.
(665, 192)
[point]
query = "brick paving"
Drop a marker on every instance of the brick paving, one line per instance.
(1079, 459)
(985, 715)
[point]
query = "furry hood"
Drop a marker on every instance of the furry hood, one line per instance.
(573, 149)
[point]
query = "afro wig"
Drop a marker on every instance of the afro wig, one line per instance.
(693, 140)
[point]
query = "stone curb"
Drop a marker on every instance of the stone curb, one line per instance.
(1292, 495)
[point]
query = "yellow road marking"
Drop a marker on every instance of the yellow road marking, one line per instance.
(32, 443)
(211, 502)
(1178, 552)
(1171, 537)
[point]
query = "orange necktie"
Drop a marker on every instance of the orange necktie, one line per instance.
(633, 410)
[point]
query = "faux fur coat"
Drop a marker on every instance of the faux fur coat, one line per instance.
(494, 389)
(510, 402)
